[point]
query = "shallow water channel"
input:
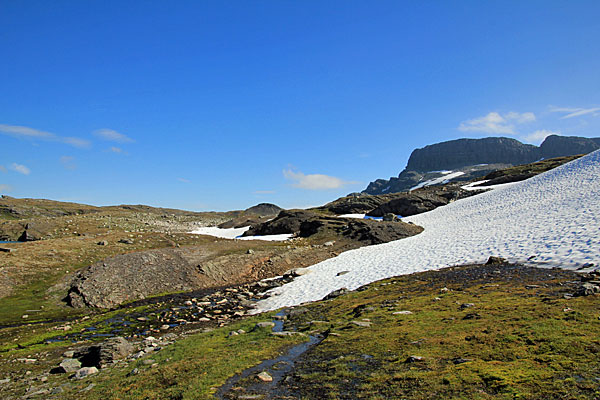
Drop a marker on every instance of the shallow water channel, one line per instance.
(242, 386)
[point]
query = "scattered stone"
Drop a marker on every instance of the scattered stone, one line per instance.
(103, 243)
(264, 325)
(459, 360)
(472, 316)
(148, 361)
(126, 241)
(336, 293)
(412, 359)
(6, 250)
(188, 303)
(296, 272)
(496, 260)
(250, 251)
(69, 365)
(88, 387)
(342, 273)
(390, 217)
(265, 377)
(288, 333)
(364, 324)
(466, 305)
(406, 312)
(85, 371)
(5, 380)
(587, 289)
(24, 316)
(233, 333)
(329, 244)
(134, 371)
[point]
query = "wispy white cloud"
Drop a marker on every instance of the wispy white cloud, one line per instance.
(116, 149)
(575, 112)
(496, 123)
(2, 168)
(113, 136)
(20, 168)
(25, 132)
(68, 162)
(5, 188)
(538, 136)
(183, 180)
(264, 192)
(314, 181)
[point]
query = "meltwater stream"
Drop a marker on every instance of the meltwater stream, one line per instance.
(278, 368)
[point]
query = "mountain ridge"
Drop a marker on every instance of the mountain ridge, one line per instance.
(475, 158)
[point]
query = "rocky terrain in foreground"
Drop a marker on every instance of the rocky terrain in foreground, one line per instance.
(437, 336)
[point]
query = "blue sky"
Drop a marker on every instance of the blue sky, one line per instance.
(212, 105)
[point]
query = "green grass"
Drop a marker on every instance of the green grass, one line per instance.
(520, 347)
(192, 368)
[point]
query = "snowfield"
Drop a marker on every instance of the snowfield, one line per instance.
(235, 233)
(552, 219)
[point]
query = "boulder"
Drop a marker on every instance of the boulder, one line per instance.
(69, 365)
(104, 353)
(390, 217)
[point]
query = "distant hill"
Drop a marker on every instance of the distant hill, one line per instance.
(466, 159)
(264, 209)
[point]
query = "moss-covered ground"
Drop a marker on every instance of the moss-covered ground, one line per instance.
(505, 333)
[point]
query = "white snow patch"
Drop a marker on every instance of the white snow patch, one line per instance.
(235, 233)
(471, 186)
(360, 216)
(554, 216)
(447, 177)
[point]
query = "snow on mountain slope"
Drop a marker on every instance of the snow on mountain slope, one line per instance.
(554, 216)
(446, 177)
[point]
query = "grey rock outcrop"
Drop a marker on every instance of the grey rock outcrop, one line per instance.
(422, 200)
(306, 223)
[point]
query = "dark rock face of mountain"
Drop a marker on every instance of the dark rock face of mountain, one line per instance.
(558, 146)
(459, 153)
(478, 157)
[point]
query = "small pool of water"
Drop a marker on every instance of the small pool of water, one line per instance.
(7, 241)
